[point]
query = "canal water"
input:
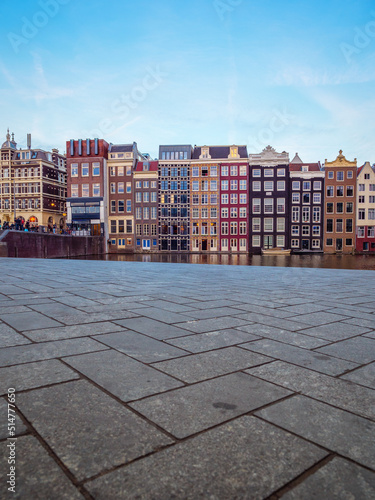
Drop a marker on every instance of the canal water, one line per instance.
(365, 262)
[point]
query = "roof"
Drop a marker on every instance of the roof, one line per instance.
(296, 159)
(121, 148)
(220, 152)
(153, 166)
(312, 167)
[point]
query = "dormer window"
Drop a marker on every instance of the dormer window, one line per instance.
(305, 168)
(205, 152)
(233, 152)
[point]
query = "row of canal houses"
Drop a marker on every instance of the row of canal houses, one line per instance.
(218, 199)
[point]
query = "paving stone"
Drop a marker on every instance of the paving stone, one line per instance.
(310, 359)
(68, 332)
(47, 350)
(285, 324)
(153, 328)
(124, 377)
(365, 323)
(140, 346)
(293, 338)
(247, 459)
(194, 408)
(37, 475)
(164, 316)
(211, 364)
(212, 304)
(319, 318)
(337, 480)
(340, 393)
(76, 301)
(370, 335)
(170, 306)
(335, 331)
(201, 342)
(339, 431)
(303, 308)
(213, 313)
(9, 337)
(54, 309)
(210, 325)
(364, 376)
(33, 375)
(360, 350)
(28, 321)
(4, 409)
(268, 311)
(89, 431)
(82, 317)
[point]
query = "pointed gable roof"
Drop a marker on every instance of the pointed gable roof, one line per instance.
(296, 159)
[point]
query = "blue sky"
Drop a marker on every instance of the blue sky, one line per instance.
(298, 75)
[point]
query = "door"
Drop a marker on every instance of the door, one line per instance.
(204, 245)
(146, 244)
(268, 242)
(233, 245)
(338, 244)
(305, 245)
(95, 229)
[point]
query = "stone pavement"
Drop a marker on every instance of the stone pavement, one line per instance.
(174, 381)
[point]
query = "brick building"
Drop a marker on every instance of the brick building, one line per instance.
(306, 206)
(32, 185)
(122, 160)
(87, 186)
(340, 205)
(365, 216)
(269, 200)
(146, 206)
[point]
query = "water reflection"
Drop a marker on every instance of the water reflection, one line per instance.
(306, 260)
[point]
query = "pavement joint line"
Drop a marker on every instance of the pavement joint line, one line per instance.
(55, 457)
(301, 477)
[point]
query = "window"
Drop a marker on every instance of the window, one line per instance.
(280, 225)
(121, 206)
(86, 190)
(165, 171)
(295, 243)
(138, 184)
(113, 206)
(164, 185)
(295, 197)
(339, 226)
(224, 228)
(243, 169)
(174, 186)
(371, 231)
(120, 171)
(256, 206)
(371, 187)
(316, 230)
(329, 242)
(96, 169)
(74, 170)
(361, 187)
(120, 187)
(305, 230)
(330, 175)
(361, 199)
(204, 199)
(268, 172)
(317, 198)
(281, 172)
(316, 214)
(256, 185)
(340, 175)
(371, 213)
(268, 224)
(233, 212)
(295, 230)
(367, 176)
(306, 198)
(296, 185)
(138, 229)
(213, 171)
(361, 214)
(234, 170)
(96, 189)
(256, 240)
(268, 206)
(234, 198)
(329, 191)
(243, 228)
(268, 185)
(317, 185)
(243, 198)
(195, 213)
(361, 231)
(113, 187)
(306, 185)
(224, 170)
(281, 205)
(349, 207)
(85, 169)
(349, 190)
(121, 226)
(138, 197)
(243, 212)
(349, 174)
(256, 172)
(205, 213)
(146, 197)
(154, 231)
(348, 242)
(339, 208)
(233, 228)
(213, 198)
(224, 185)
(153, 185)
(256, 224)
(213, 185)
(128, 187)
(316, 244)
(349, 225)
(280, 241)
(371, 199)
(113, 227)
(243, 185)
(233, 185)
(74, 190)
(295, 214)
(128, 206)
(329, 225)
(305, 214)
(281, 185)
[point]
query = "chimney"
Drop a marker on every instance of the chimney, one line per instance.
(28, 141)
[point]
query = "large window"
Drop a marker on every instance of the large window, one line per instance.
(268, 206)
(74, 190)
(85, 169)
(96, 168)
(256, 206)
(85, 190)
(74, 170)
(96, 189)
(121, 206)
